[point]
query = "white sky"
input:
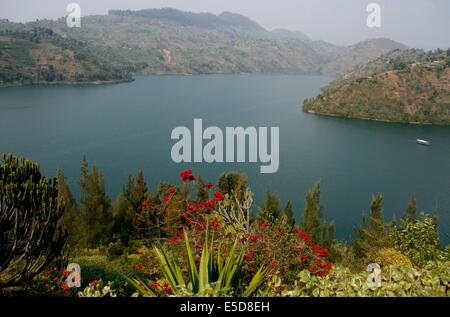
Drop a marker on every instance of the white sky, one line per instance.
(416, 23)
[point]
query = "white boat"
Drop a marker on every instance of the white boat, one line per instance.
(423, 142)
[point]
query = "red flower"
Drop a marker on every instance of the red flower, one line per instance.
(187, 175)
(273, 265)
(209, 185)
(145, 205)
(249, 256)
(166, 199)
(171, 190)
(168, 290)
(154, 285)
(65, 287)
(218, 196)
(93, 283)
(323, 252)
(264, 225)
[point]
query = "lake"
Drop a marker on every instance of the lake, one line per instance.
(125, 127)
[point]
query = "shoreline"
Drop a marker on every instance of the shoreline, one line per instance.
(370, 119)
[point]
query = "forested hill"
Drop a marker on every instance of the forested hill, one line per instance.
(403, 86)
(39, 56)
(169, 41)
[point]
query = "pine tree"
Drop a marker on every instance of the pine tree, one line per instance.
(411, 210)
(374, 233)
(122, 219)
(288, 212)
(71, 219)
(312, 215)
(95, 207)
(134, 219)
(270, 208)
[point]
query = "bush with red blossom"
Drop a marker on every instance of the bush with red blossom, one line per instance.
(271, 244)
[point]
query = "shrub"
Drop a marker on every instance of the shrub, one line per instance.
(216, 275)
(390, 256)
(432, 280)
(98, 267)
(418, 240)
(98, 289)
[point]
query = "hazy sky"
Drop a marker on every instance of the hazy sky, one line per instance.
(416, 23)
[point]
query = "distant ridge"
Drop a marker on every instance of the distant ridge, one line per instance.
(183, 18)
(170, 41)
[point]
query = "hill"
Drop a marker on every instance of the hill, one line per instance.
(39, 56)
(107, 48)
(402, 86)
(161, 41)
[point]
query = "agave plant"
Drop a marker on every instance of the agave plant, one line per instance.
(215, 275)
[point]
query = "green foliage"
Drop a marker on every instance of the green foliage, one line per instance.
(396, 281)
(270, 209)
(390, 256)
(288, 213)
(98, 289)
(312, 217)
(213, 276)
(313, 212)
(95, 207)
(232, 182)
(374, 233)
(411, 210)
(30, 239)
(71, 220)
(419, 239)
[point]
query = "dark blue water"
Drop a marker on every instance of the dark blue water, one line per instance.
(122, 128)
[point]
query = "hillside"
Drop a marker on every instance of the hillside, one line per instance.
(109, 48)
(344, 59)
(403, 86)
(40, 56)
(162, 41)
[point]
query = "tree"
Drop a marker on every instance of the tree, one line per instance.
(133, 221)
(419, 239)
(411, 210)
(95, 207)
(122, 219)
(374, 233)
(30, 238)
(232, 181)
(313, 212)
(288, 212)
(270, 208)
(71, 219)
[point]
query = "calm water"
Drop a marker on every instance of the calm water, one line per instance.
(122, 128)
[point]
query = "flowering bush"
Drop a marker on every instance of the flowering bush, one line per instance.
(51, 282)
(274, 245)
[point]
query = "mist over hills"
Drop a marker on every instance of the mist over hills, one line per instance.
(170, 41)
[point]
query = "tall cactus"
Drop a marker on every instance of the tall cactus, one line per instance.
(30, 238)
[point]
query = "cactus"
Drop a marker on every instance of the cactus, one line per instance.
(30, 238)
